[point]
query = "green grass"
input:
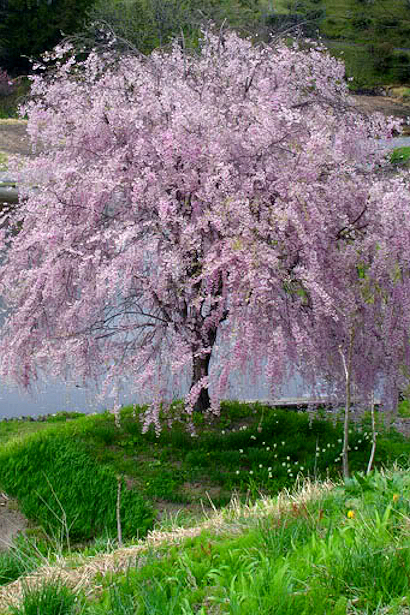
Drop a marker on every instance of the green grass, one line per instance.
(63, 472)
(345, 550)
(400, 155)
(52, 598)
(3, 161)
(61, 486)
(310, 556)
(25, 555)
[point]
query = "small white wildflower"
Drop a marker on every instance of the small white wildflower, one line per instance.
(268, 448)
(302, 468)
(283, 444)
(223, 432)
(241, 450)
(263, 443)
(253, 437)
(276, 456)
(283, 464)
(269, 469)
(287, 458)
(237, 471)
(260, 465)
(250, 471)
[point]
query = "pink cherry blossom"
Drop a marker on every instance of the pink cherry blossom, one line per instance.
(231, 198)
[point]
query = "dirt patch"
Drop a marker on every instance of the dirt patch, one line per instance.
(14, 138)
(11, 521)
(170, 510)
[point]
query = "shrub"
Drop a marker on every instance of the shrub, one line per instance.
(400, 155)
(361, 22)
(59, 485)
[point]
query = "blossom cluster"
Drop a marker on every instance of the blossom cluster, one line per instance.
(192, 213)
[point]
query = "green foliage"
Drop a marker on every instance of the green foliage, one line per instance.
(23, 556)
(52, 598)
(9, 101)
(30, 27)
(64, 476)
(400, 155)
(346, 548)
(306, 557)
(59, 485)
(148, 24)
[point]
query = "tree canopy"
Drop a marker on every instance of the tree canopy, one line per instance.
(227, 200)
(30, 27)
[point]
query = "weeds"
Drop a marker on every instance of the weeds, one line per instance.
(58, 484)
(21, 558)
(310, 558)
(52, 598)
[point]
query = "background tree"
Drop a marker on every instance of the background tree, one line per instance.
(148, 24)
(181, 204)
(30, 27)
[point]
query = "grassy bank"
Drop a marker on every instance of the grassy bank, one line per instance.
(341, 549)
(250, 449)
(73, 475)
(372, 37)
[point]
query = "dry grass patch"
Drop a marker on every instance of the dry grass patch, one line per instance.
(232, 520)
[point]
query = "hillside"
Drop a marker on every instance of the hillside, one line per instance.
(372, 36)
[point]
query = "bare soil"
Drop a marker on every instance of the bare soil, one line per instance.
(12, 522)
(13, 137)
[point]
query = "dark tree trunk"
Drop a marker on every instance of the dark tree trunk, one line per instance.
(200, 369)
